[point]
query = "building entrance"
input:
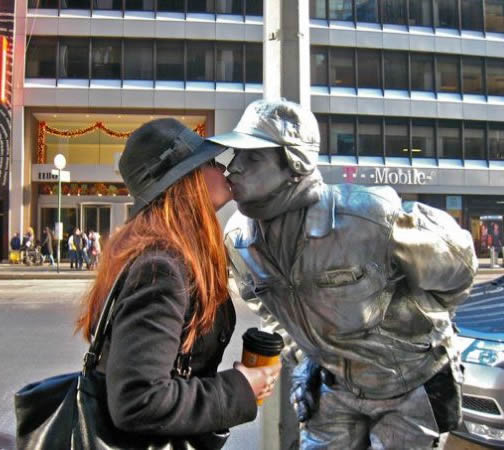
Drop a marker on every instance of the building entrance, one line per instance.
(96, 218)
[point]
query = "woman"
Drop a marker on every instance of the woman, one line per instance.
(47, 245)
(94, 249)
(173, 308)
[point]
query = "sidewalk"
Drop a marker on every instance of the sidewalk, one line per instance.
(45, 272)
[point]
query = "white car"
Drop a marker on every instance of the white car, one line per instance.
(480, 320)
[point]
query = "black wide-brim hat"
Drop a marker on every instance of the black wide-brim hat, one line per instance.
(157, 155)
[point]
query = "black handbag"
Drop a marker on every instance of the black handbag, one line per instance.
(70, 411)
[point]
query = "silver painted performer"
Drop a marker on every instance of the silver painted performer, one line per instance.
(366, 287)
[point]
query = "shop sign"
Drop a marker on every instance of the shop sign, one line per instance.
(46, 176)
(400, 176)
(386, 175)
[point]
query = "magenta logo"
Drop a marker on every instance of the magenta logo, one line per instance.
(349, 174)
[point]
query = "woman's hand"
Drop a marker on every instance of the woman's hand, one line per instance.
(262, 379)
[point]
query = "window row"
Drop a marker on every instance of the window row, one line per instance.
(479, 15)
(383, 69)
(239, 7)
(411, 138)
(143, 59)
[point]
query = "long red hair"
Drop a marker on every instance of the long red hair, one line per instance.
(183, 220)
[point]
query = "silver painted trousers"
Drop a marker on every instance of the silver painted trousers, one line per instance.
(344, 421)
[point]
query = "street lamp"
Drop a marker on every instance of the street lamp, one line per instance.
(60, 163)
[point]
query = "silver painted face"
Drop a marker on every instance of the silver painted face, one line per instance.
(255, 174)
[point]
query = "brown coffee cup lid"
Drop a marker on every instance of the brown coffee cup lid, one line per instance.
(263, 343)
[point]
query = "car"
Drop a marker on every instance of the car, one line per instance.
(480, 323)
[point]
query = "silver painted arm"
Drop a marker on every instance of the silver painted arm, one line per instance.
(433, 252)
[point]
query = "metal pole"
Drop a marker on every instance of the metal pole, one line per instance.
(59, 221)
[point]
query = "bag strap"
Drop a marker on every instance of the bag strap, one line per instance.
(93, 354)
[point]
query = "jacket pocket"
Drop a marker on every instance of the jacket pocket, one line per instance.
(339, 277)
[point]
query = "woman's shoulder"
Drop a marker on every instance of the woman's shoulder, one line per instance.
(157, 264)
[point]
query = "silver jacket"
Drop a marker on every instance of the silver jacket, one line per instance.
(371, 290)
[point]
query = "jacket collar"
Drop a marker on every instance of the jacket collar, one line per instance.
(319, 222)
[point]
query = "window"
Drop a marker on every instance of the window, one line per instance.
(171, 5)
(472, 15)
(138, 59)
(200, 6)
(474, 140)
(496, 141)
(370, 137)
(318, 9)
(106, 59)
(324, 136)
(107, 4)
(229, 62)
(253, 63)
(342, 136)
(200, 61)
(396, 137)
(228, 6)
(319, 66)
(139, 5)
(74, 58)
(448, 139)
(495, 76)
(422, 135)
(447, 73)
(169, 60)
(52, 4)
(420, 13)
(494, 11)
(367, 10)
(394, 11)
(396, 70)
(369, 68)
(41, 58)
(75, 4)
(472, 73)
(254, 8)
(446, 13)
(341, 10)
(422, 72)
(342, 67)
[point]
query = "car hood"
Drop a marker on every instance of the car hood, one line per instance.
(481, 316)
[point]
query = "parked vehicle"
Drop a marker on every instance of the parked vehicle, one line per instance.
(480, 320)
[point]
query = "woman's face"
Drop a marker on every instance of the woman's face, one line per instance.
(217, 185)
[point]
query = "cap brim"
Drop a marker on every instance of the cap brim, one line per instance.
(204, 153)
(242, 141)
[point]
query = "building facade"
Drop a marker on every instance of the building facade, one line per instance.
(410, 93)
(407, 92)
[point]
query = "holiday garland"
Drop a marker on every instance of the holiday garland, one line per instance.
(44, 129)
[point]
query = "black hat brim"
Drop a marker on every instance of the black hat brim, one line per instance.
(203, 153)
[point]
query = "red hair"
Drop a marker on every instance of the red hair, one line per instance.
(183, 220)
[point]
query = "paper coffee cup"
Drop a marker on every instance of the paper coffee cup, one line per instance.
(261, 349)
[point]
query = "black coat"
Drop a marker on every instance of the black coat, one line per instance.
(140, 353)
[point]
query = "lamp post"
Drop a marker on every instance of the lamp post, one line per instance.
(60, 163)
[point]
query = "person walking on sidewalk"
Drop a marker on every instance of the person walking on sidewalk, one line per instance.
(47, 245)
(173, 317)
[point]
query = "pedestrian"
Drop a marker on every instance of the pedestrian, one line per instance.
(94, 248)
(75, 249)
(365, 286)
(85, 249)
(15, 253)
(47, 246)
(173, 317)
(15, 242)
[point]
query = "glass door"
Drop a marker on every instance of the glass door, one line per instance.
(97, 218)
